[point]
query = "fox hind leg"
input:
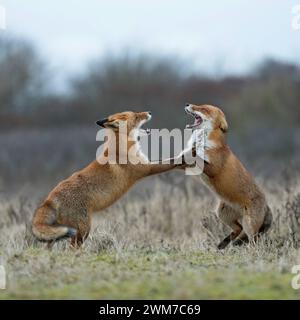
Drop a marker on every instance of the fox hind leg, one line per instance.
(252, 223)
(83, 230)
(241, 239)
(230, 217)
(78, 240)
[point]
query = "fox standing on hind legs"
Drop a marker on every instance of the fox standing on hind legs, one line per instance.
(67, 210)
(242, 204)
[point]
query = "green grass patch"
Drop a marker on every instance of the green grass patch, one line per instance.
(140, 274)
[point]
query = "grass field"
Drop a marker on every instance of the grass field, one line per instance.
(159, 241)
(151, 274)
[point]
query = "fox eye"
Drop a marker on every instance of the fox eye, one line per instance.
(113, 123)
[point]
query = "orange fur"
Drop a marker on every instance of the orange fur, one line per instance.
(242, 204)
(67, 210)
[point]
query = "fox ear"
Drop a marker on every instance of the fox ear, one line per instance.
(223, 124)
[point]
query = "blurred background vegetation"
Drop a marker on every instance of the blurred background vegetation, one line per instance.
(45, 132)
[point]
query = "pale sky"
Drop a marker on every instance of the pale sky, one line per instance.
(214, 35)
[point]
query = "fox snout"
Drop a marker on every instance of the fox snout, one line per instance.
(149, 115)
(102, 122)
(187, 107)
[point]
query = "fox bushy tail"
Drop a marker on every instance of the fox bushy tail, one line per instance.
(45, 226)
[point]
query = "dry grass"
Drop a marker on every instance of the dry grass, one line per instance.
(157, 242)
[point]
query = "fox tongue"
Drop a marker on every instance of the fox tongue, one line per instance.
(197, 121)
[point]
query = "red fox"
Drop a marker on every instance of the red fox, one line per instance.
(67, 210)
(242, 204)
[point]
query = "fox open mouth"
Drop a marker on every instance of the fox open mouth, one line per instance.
(197, 122)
